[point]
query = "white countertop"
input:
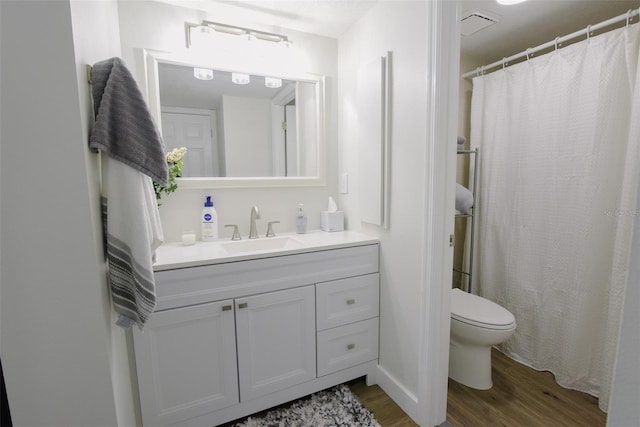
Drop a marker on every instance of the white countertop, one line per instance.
(176, 255)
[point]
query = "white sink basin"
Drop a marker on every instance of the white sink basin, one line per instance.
(261, 245)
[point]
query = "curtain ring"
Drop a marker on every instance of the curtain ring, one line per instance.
(629, 12)
(527, 52)
(556, 42)
(504, 63)
(588, 32)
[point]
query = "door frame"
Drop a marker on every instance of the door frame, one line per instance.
(442, 84)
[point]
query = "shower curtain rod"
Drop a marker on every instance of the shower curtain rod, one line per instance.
(503, 62)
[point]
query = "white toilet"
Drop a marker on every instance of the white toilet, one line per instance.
(477, 324)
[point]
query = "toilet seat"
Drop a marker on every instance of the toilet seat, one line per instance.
(477, 311)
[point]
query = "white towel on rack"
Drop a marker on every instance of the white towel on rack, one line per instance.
(464, 199)
(133, 155)
(133, 232)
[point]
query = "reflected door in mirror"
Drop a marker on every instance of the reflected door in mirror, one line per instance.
(195, 130)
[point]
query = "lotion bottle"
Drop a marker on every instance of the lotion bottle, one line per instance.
(301, 220)
(209, 220)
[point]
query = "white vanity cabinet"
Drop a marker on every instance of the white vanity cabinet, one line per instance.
(234, 338)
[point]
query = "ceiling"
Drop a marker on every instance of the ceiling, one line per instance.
(329, 18)
(519, 27)
(534, 22)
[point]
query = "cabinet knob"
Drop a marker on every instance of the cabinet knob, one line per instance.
(243, 305)
(351, 346)
(226, 308)
(351, 301)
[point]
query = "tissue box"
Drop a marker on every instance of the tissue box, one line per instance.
(332, 221)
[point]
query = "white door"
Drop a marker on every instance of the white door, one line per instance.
(186, 363)
(276, 341)
(192, 130)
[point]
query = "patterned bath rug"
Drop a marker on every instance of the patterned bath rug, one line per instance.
(335, 407)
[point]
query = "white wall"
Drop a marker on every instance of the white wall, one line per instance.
(307, 113)
(160, 27)
(55, 317)
(247, 136)
(401, 251)
(400, 27)
(96, 37)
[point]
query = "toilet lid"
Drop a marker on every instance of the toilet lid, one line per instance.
(479, 311)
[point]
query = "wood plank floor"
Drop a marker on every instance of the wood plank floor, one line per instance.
(385, 410)
(520, 397)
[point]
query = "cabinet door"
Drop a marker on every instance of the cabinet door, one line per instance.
(276, 345)
(186, 362)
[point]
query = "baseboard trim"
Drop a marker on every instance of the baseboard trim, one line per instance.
(406, 400)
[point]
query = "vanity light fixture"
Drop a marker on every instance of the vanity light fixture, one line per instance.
(203, 73)
(272, 82)
(509, 2)
(240, 78)
(208, 27)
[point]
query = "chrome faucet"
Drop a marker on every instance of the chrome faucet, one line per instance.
(255, 214)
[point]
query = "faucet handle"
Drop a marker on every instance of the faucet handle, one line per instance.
(236, 233)
(270, 232)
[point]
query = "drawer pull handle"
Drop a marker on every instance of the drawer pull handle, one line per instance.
(243, 305)
(351, 346)
(351, 301)
(226, 307)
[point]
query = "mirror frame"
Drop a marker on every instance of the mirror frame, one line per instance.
(151, 59)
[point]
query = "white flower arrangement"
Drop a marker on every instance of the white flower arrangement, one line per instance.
(175, 163)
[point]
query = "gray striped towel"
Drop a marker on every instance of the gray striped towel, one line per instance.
(133, 155)
(124, 127)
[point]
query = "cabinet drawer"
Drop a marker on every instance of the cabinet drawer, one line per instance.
(345, 346)
(346, 301)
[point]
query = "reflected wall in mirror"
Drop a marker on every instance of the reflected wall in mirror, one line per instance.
(268, 127)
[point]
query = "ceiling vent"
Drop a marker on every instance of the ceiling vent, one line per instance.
(475, 20)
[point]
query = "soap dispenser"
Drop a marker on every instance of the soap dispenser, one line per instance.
(209, 220)
(301, 220)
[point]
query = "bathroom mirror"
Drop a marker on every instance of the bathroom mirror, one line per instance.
(262, 130)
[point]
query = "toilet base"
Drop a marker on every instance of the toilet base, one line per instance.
(470, 365)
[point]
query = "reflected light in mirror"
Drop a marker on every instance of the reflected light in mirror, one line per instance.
(203, 73)
(240, 78)
(272, 82)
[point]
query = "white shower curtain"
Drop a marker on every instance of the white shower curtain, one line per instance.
(559, 162)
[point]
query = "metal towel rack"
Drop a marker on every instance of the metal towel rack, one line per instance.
(469, 273)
